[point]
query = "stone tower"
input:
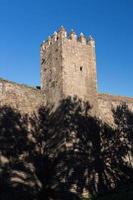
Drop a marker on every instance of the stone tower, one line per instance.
(68, 67)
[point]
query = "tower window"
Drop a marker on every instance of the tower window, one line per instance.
(81, 68)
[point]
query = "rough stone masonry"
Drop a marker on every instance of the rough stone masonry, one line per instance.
(68, 68)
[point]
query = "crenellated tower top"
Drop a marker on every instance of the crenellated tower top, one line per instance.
(62, 34)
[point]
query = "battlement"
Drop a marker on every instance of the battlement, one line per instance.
(62, 34)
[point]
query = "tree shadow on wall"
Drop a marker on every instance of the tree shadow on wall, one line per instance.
(84, 154)
(64, 153)
(123, 139)
(17, 177)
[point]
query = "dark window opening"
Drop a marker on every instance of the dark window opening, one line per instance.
(38, 87)
(81, 69)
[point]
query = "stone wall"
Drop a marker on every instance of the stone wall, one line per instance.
(24, 98)
(28, 99)
(108, 102)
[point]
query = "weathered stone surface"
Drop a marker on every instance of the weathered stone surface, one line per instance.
(24, 98)
(106, 103)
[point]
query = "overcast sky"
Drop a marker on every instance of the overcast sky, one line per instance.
(24, 24)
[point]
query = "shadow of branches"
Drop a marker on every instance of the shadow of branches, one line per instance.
(15, 171)
(64, 154)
